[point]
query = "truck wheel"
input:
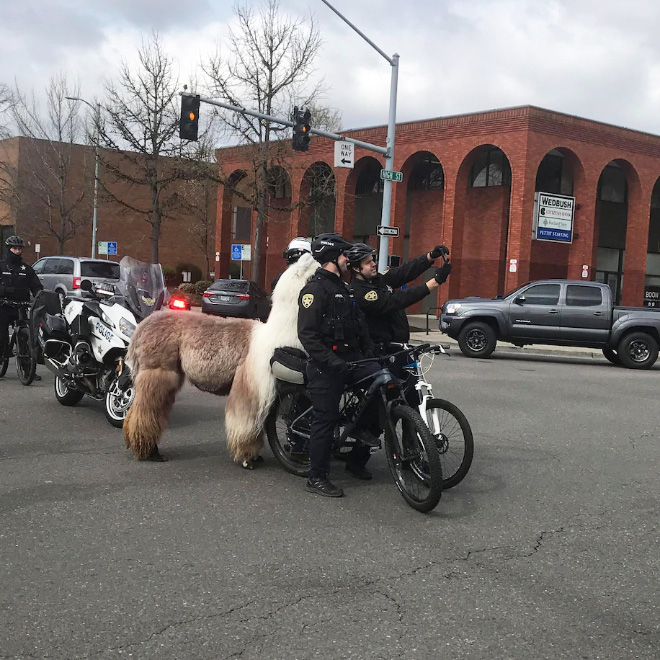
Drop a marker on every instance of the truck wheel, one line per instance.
(638, 350)
(611, 355)
(477, 340)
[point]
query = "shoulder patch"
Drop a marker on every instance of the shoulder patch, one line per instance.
(307, 300)
(371, 296)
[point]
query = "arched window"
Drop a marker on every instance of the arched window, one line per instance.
(490, 168)
(369, 180)
(427, 175)
(612, 185)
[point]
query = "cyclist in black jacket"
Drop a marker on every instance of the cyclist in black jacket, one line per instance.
(17, 281)
(333, 331)
(380, 297)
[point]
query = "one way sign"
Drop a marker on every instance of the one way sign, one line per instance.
(344, 155)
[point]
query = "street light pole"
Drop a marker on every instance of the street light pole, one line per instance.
(383, 244)
(97, 120)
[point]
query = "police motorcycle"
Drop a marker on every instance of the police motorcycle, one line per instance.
(113, 311)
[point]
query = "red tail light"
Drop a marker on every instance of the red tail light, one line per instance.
(207, 294)
(76, 282)
(243, 296)
(178, 303)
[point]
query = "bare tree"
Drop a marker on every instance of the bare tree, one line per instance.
(47, 189)
(141, 132)
(6, 103)
(269, 69)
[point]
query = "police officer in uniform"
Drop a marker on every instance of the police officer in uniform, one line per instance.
(17, 281)
(333, 331)
(380, 297)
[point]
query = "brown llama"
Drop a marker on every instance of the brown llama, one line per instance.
(218, 355)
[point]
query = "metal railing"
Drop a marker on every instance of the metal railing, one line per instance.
(428, 311)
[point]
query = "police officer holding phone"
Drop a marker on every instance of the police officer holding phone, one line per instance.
(379, 296)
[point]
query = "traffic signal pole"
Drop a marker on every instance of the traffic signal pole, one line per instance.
(384, 242)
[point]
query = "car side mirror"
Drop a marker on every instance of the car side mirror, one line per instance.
(520, 300)
(86, 285)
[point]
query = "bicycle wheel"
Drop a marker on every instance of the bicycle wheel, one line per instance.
(453, 438)
(413, 459)
(26, 365)
(287, 416)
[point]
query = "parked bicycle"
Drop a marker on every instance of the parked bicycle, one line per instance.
(410, 448)
(447, 423)
(20, 345)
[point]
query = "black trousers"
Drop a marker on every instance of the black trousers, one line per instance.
(325, 387)
(7, 316)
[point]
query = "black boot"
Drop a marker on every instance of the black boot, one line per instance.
(323, 486)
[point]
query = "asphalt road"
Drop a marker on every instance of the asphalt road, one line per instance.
(548, 549)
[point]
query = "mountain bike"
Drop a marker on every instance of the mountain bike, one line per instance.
(410, 448)
(447, 423)
(20, 344)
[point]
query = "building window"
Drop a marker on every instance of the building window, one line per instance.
(427, 175)
(552, 176)
(369, 180)
(613, 186)
(279, 185)
(242, 229)
(490, 168)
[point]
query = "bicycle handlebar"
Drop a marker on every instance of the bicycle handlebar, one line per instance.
(416, 351)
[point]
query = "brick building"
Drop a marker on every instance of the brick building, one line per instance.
(469, 182)
(30, 198)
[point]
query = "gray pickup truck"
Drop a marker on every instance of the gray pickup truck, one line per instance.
(559, 312)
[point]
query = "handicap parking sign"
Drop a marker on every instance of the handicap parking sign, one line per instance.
(112, 247)
(236, 251)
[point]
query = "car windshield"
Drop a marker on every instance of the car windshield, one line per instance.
(241, 286)
(513, 293)
(108, 270)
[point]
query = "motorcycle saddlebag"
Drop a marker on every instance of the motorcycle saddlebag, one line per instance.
(47, 319)
(288, 364)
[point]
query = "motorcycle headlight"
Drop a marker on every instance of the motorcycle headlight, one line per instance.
(452, 308)
(126, 327)
(107, 320)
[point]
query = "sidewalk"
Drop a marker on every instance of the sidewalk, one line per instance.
(418, 335)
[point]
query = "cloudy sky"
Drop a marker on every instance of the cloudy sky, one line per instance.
(598, 59)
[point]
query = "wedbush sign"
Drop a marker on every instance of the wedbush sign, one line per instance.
(553, 217)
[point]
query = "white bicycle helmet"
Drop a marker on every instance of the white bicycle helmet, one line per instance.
(295, 249)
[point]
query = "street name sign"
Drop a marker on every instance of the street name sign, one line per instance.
(389, 175)
(387, 231)
(344, 154)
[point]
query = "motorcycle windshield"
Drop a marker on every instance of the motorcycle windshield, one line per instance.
(142, 285)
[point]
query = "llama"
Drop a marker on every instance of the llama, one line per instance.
(223, 356)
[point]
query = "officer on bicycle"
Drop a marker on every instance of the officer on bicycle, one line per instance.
(380, 297)
(333, 331)
(17, 280)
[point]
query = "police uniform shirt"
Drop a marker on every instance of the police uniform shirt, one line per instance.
(17, 281)
(384, 304)
(330, 325)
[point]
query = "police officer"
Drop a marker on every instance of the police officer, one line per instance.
(380, 297)
(294, 250)
(332, 330)
(17, 280)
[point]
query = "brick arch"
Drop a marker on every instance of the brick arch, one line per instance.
(418, 212)
(319, 173)
(351, 206)
(480, 229)
(652, 271)
(560, 260)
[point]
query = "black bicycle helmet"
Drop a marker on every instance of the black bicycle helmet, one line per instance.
(329, 247)
(358, 252)
(15, 242)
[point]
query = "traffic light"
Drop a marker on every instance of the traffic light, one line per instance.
(189, 121)
(301, 129)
